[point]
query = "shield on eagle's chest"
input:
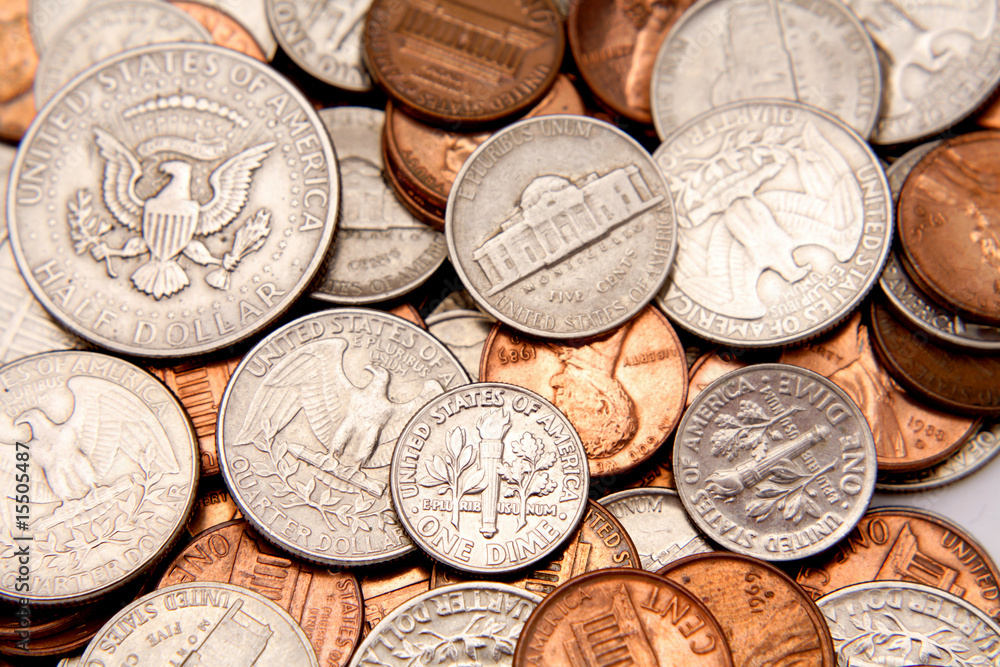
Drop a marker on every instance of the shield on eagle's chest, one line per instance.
(168, 226)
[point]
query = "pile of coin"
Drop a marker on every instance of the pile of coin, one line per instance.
(343, 333)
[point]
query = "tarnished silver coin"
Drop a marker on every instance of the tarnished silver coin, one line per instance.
(476, 623)
(489, 478)
(774, 461)
(252, 15)
(903, 623)
(381, 251)
(323, 38)
(941, 60)
(659, 526)
(561, 226)
(99, 475)
(46, 18)
(976, 452)
(102, 31)
(723, 51)
(464, 332)
(7, 155)
(173, 200)
(785, 223)
(308, 424)
(201, 624)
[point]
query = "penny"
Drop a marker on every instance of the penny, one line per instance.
(656, 521)
(561, 226)
(897, 622)
(948, 225)
(202, 624)
(252, 15)
(637, 617)
(164, 237)
(452, 63)
(767, 618)
(785, 241)
(600, 543)
(505, 456)
(959, 382)
(18, 59)
(16, 115)
(326, 604)
(389, 586)
(381, 251)
(104, 460)
(323, 38)
(107, 29)
(464, 332)
(709, 368)
(908, 434)
(976, 452)
(308, 424)
(989, 117)
(38, 623)
(224, 30)
(657, 471)
(907, 544)
(213, 506)
(408, 195)
(409, 313)
(478, 621)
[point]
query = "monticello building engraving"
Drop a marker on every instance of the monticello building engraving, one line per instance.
(557, 217)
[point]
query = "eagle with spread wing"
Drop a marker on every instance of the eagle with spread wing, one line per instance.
(170, 219)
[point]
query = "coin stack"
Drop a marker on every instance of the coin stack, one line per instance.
(412, 332)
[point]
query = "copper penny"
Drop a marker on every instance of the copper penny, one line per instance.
(907, 544)
(621, 617)
(467, 63)
(658, 470)
(18, 59)
(212, 506)
(949, 225)
(767, 618)
(599, 543)
(325, 603)
(37, 623)
(708, 368)
(406, 192)
(409, 313)
(623, 391)
(16, 115)
(908, 435)
(956, 381)
(615, 43)
(225, 30)
(990, 116)
(388, 586)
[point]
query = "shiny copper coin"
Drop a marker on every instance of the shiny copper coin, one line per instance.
(467, 63)
(907, 544)
(599, 543)
(990, 116)
(16, 115)
(18, 59)
(908, 434)
(621, 617)
(658, 470)
(409, 313)
(949, 225)
(767, 618)
(225, 30)
(623, 391)
(212, 506)
(709, 368)
(325, 603)
(406, 192)
(390, 585)
(37, 623)
(956, 381)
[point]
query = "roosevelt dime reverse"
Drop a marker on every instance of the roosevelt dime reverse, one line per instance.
(173, 200)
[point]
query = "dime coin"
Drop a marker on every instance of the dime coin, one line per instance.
(323, 38)
(202, 624)
(225, 30)
(635, 616)
(326, 604)
(252, 15)
(723, 51)
(386, 588)
(308, 424)
(381, 251)
(166, 224)
(107, 29)
(656, 521)
(477, 621)
(973, 455)
(898, 622)
(907, 544)
(561, 226)
(775, 462)
(464, 63)
(503, 455)
(786, 240)
(103, 458)
(767, 618)
(18, 59)
(464, 332)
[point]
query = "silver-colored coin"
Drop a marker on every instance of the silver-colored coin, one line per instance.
(252, 15)
(656, 521)
(381, 251)
(102, 31)
(46, 18)
(99, 475)
(941, 61)
(308, 424)
(7, 155)
(464, 332)
(976, 452)
(489, 478)
(723, 51)
(561, 226)
(74, 661)
(774, 461)
(902, 623)
(476, 623)
(173, 200)
(201, 624)
(786, 221)
(323, 38)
